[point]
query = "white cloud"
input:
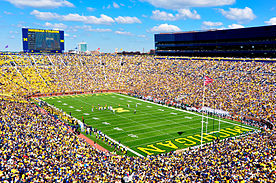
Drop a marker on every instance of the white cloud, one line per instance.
(142, 36)
(12, 36)
(115, 5)
(74, 17)
(101, 30)
(235, 26)
(89, 28)
(182, 14)
(271, 21)
(41, 3)
(103, 19)
(7, 13)
(178, 4)
(162, 15)
(13, 32)
(212, 24)
(83, 27)
(124, 33)
(127, 20)
(165, 28)
(85, 19)
(66, 35)
(90, 9)
(45, 15)
(188, 14)
(239, 15)
(21, 26)
(59, 26)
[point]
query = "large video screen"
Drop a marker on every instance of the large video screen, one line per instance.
(38, 40)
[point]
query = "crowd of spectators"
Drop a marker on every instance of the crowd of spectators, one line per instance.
(37, 147)
(240, 88)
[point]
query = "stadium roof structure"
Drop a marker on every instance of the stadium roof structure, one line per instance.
(210, 30)
(242, 42)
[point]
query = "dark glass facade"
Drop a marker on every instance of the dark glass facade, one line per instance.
(244, 42)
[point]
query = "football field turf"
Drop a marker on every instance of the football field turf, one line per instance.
(153, 129)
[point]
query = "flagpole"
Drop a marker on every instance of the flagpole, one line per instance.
(219, 116)
(202, 110)
(213, 118)
(207, 121)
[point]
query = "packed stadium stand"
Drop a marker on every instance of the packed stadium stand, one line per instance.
(37, 147)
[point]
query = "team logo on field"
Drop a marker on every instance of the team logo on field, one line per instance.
(120, 110)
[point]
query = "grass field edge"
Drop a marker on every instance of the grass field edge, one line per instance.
(132, 150)
(109, 138)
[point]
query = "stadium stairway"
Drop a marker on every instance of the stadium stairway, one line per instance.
(16, 67)
(35, 66)
(53, 66)
(65, 65)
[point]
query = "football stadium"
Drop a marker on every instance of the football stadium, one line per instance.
(202, 109)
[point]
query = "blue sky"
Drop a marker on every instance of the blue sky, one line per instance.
(126, 24)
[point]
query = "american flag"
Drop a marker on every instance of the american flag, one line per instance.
(207, 80)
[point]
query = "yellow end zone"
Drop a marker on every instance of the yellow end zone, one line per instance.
(188, 141)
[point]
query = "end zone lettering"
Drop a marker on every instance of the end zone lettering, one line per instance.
(189, 141)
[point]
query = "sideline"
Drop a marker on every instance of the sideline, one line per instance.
(127, 148)
(92, 143)
(88, 140)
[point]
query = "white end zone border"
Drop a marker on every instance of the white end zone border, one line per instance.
(81, 124)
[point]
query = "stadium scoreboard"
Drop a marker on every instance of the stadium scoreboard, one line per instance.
(41, 41)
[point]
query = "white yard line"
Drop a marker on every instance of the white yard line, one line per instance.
(125, 147)
(189, 128)
(189, 112)
(131, 127)
(134, 152)
(182, 110)
(141, 123)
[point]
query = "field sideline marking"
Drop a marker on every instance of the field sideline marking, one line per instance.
(125, 147)
(148, 119)
(152, 123)
(136, 121)
(182, 110)
(111, 139)
(161, 106)
(147, 128)
(138, 124)
(147, 137)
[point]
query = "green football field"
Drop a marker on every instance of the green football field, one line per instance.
(153, 129)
